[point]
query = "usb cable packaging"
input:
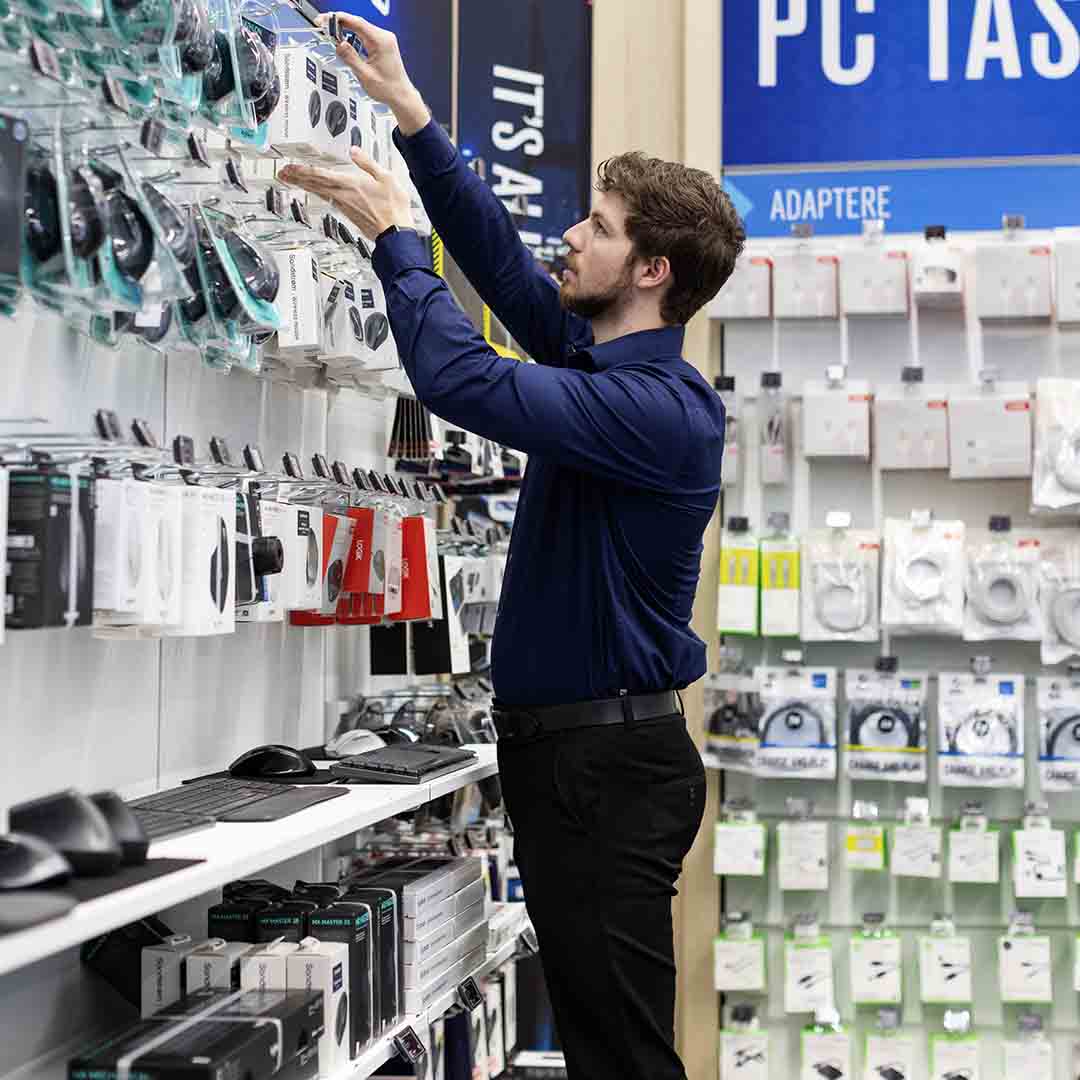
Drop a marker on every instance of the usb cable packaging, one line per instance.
(944, 965)
(732, 711)
(779, 581)
(1031, 1054)
(802, 863)
(1059, 597)
(1059, 731)
(1025, 964)
(1056, 480)
(1039, 864)
(974, 849)
(981, 730)
(741, 842)
(324, 966)
(731, 463)
(864, 839)
(215, 965)
(954, 1055)
(886, 723)
(826, 1047)
(923, 581)
(1003, 584)
(748, 293)
(737, 599)
(990, 431)
(739, 957)
(808, 967)
(164, 973)
(889, 1053)
(798, 722)
(839, 587)
(836, 417)
(875, 963)
(772, 410)
(744, 1046)
(915, 848)
(911, 424)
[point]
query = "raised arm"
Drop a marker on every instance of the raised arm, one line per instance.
(473, 223)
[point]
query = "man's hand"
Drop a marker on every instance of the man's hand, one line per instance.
(370, 197)
(382, 72)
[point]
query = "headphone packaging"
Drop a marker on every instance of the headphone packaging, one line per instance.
(1056, 482)
(1002, 585)
(1059, 596)
(886, 725)
(839, 593)
(732, 710)
(797, 728)
(1059, 732)
(923, 582)
(324, 966)
(981, 730)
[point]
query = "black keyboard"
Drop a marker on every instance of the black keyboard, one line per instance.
(226, 799)
(403, 764)
(161, 824)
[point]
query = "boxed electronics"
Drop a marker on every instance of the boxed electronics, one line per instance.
(365, 570)
(805, 286)
(911, 424)
(425, 972)
(496, 1035)
(301, 537)
(836, 417)
(209, 554)
(434, 917)
(417, 1000)
(361, 132)
(336, 88)
(381, 354)
(747, 294)
(937, 274)
(874, 281)
(50, 549)
(385, 973)
(990, 431)
(384, 135)
(297, 125)
(286, 920)
(276, 521)
(324, 966)
(164, 973)
(298, 302)
(265, 968)
(443, 647)
(350, 922)
(417, 952)
(1067, 252)
(425, 882)
(215, 965)
(1012, 279)
(3, 541)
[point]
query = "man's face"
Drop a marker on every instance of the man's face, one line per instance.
(600, 261)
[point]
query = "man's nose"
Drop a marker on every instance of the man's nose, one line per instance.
(568, 236)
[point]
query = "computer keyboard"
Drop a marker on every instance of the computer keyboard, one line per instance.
(402, 764)
(162, 824)
(210, 798)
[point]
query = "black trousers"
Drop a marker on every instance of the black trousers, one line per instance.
(603, 818)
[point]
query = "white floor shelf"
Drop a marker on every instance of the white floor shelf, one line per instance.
(230, 851)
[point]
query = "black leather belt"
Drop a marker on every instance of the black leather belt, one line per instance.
(519, 722)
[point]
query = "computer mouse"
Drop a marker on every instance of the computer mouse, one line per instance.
(376, 330)
(314, 108)
(341, 1022)
(356, 136)
(337, 118)
(266, 105)
(357, 741)
(272, 762)
(134, 843)
(74, 826)
(27, 861)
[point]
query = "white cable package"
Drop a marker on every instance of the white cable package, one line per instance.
(839, 594)
(981, 730)
(1059, 593)
(1056, 483)
(923, 583)
(1002, 586)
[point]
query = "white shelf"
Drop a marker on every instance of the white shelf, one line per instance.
(230, 851)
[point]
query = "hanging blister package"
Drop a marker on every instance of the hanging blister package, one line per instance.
(886, 725)
(840, 590)
(732, 709)
(1059, 596)
(798, 723)
(808, 968)
(780, 583)
(739, 957)
(981, 730)
(1059, 732)
(744, 1053)
(737, 593)
(3, 544)
(1003, 585)
(826, 1053)
(923, 582)
(1056, 484)
(954, 1057)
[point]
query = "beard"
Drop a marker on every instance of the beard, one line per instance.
(591, 305)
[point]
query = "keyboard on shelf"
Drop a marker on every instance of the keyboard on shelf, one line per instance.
(407, 763)
(163, 824)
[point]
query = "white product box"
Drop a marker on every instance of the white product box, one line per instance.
(302, 577)
(381, 353)
(1033, 1059)
(296, 126)
(953, 1058)
(416, 1000)
(915, 851)
(826, 1054)
(864, 846)
(1067, 250)
(1012, 280)
(836, 419)
(298, 302)
(937, 276)
(780, 586)
(361, 126)
(874, 282)
(431, 968)
(394, 556)
(747, 294)
(974, 857)
(215, 965)
(945, 970)
(510, 1014)
(876, 968)
(739, 849)
(209, 562)
(739, 965)
(163, 974)
(335, 142)
(1039, 869)
(744, 1055)
(803, 856)
(479, 1041)
(343, 334)
(990, 432)
(266, 966)
(116, 550)
(889, 1056)
(418, 952)
(384, 135)
(1025, 970)
(808, 975)
(435, 1062)
(911, 426)
(805, 286)
(324, 965)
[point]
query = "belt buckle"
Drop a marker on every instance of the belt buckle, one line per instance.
(520, 724)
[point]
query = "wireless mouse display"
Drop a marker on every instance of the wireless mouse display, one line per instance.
(74, 826)
(124, 825)
(376, 330)
(337, 118)
(272, 761)
(27, 861)
(315, 108)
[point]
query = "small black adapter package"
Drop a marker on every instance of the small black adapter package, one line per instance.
(40, 542)
(288, 920)
(384, 921)
(350, 921)
(234, 920)
(117, 955)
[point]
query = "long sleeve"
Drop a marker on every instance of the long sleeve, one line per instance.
(480, 234)
(626, 424)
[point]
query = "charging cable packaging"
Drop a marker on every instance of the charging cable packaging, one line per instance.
(324, 966)
(798, 722)
(1012, 278)
(1059, 597)
(805, 285)
(990, 431)
(739, 957)
(779, 581)
(741, 842)
(876, 965)
(744, 1047)
(808, 967)
(954, 1054)
(1067, 276)
(886, 724)
(209, 557)
(981, 730)
(911, 424)
(840, 571)
(802, 850)
(1056, 483)
(1031, 1055)
(937, 274)
(1003, 585)
(889, 1054)
(836, 417)
(915, 848)
(731, 705)
(923, 582)
(1039, 865)
(731, 463)
(944, 965)
(748, 292)
(974, 849)
(1058, 699)
(737, 595)
(298, 302)
(1025, 969)
(772, 407)
(826, 1047)
(864, 839)
(873, 279)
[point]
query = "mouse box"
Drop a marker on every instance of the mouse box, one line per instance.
(349, 922)
(365, 571)
(337, 541)
(275, 520)
(344, 343)
(234, 920)
(296, 127)
(334, 138)
(384, 916)
(298, 302)
(164, 973)
(381, 353)
(324, 965)
(302, 541)
(421, 594)
(115, 587)
(287, 920)
(208, 577)
(264, 968)
(215, 965)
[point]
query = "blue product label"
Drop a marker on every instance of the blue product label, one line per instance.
(820, 682)
(1005, 688)
(910, 684)
(338, 978)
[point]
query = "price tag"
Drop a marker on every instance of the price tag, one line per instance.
(410, 1045)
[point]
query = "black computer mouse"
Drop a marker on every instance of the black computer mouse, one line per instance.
(134, 843)
(266, 105)
(27, 861)
(356, 136)
(72, 824)
(337, 118)
(314, 108)
(376, 330)
(273, 762)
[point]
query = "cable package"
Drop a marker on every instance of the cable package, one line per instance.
(779, 580)
(1056, 478)
(886, 725)
(923, 582)
(737, 592)
(1002, 585)
(797, 726)
(1059, 597)
(732, 709)
(981, 730)
(840, 589)
(1058, 699)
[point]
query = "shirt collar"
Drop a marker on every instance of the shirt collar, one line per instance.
(664, 343)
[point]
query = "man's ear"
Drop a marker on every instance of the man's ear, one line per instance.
(654, 272)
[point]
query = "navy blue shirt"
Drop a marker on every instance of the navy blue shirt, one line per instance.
(624, 442)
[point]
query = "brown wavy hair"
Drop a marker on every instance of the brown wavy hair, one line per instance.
(683, 214)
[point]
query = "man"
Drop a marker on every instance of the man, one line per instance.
(603, 785)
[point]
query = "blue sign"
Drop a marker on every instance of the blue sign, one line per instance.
(837, 202)
(862, 81)
(524, 109)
